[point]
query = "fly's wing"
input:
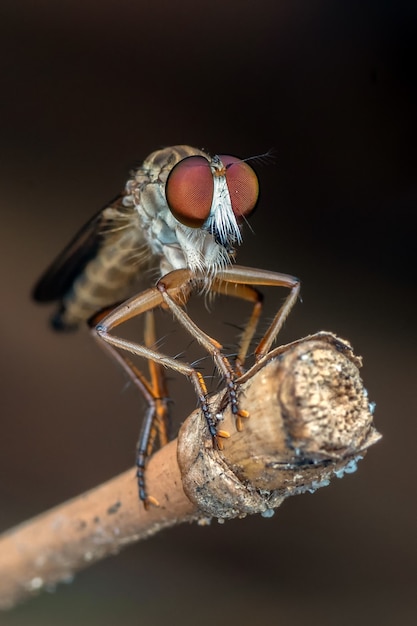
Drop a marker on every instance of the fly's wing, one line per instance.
(99, 268)
(60, 276)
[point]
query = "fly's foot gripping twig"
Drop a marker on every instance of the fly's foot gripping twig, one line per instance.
(214, 417)
(147, 500)
(231, 398)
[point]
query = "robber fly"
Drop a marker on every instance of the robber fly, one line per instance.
(181, 214)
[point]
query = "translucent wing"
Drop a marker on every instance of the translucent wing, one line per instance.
(67, 267)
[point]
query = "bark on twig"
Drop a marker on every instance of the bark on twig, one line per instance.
(310, 420)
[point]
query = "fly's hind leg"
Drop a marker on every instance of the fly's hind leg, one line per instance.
(144, 303)
(156, 421)
(157, 418)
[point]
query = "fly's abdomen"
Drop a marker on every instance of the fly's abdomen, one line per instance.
(106, 280)
(99, 267)
(97, 288)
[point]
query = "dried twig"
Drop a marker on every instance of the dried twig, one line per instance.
(310, 420)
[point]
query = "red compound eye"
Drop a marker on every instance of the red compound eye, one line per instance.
(189, 191)
(243, 185)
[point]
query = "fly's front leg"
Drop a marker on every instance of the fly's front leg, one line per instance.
(250, 276)
(145, 303)
(187, 370)
(212, 346)
(243, 279)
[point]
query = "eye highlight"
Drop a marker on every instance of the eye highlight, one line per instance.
(189, 191)
(242, 184)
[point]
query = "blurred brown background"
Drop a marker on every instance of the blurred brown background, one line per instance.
(88, 90)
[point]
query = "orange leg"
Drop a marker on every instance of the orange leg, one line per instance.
(156, 421)
(238, 282)
(154, 391)
(250, 294)
(172, 292)
(250, 276)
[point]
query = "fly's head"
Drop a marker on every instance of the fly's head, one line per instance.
(202, 204)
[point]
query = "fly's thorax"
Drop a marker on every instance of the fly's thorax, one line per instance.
(161, 162)
(158, 165)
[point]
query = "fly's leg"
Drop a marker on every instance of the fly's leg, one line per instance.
(250, 276)
(180, 281)
(212, 346)
(250, 294)
(159, 387)
(156, 420)
(148, 428)
(183, 368)
(172, 292)
(243, 279)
